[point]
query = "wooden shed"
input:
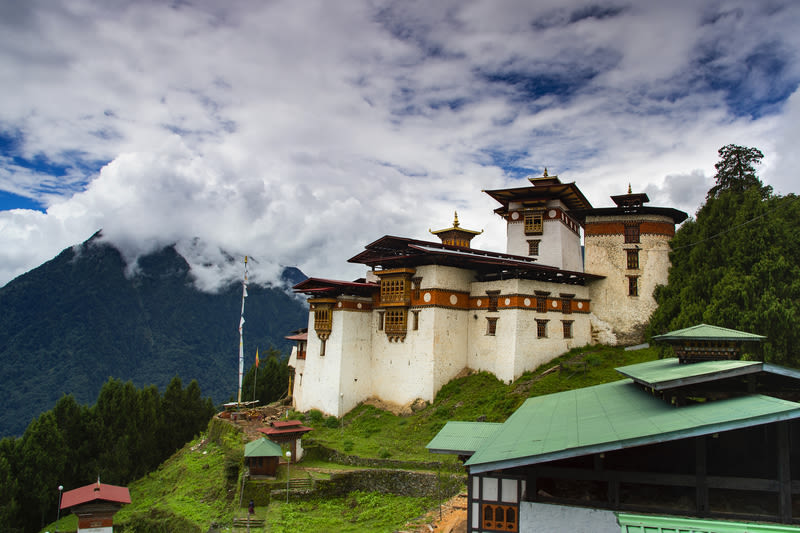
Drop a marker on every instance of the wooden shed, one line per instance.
(262, 456)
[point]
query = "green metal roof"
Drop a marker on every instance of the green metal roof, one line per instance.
(262, 447)
(613, 416)
(631, 523)
(462, 438)
(669, 373)
(708, 333)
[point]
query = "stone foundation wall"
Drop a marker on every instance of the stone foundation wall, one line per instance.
(400, 482)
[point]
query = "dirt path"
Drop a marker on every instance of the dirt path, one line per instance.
(453, 518)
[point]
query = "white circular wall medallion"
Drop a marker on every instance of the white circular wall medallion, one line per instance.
(527, 302)
(508, 301)
(552, 213)
(580, 305)
(426, 297)
(555, 304)
(479, 302)
(514, 215)
(359, 305)
(340, 304)
(453, 299)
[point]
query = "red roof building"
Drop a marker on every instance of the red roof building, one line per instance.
(95, 505)
(290, 431)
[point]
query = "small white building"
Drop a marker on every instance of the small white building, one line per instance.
(425, 311)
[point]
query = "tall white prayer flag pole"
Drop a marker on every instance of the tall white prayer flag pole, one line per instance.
(241, 325)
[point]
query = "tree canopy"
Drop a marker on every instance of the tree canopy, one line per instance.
(126, 434)
(735, 265)
(736, 171)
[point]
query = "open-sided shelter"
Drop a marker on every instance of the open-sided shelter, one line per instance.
(715, 440)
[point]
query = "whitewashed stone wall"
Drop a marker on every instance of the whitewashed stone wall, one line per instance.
(336, 382)
(559, 247)
(547, 518)
(516, 348)
(606, 255)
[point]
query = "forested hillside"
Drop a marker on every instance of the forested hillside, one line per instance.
(736, 264)
(125, 435)
(70, 324)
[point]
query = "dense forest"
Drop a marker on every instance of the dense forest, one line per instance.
(126, 434)
(76, 320)
(735, 264)
(267, 382)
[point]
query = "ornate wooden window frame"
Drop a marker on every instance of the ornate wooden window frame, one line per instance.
(534, 222)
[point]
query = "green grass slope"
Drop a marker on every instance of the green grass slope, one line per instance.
(369, 432)
(196, 489)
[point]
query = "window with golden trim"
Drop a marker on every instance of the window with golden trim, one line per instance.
(498, 517)
(633, 259)
(633, 285)
(491, 325)
(394, 290)
(395, 321)
(323, 320)
(534, 223)
(631, 233)
(541, 328)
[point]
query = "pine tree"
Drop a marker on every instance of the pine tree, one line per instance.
(735, 265)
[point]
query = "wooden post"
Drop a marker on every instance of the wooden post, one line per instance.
(784, 474)
(701, 484)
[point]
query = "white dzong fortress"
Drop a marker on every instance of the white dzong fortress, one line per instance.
(427, 310)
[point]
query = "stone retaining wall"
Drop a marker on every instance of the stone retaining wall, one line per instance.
(400, 482)
(318, 451)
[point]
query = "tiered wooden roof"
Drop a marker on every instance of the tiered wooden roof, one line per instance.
(541, 190)
(285, 430)
(398, 252)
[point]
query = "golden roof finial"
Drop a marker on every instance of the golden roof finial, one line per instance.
(455, 219)
(545, 172)
(629, 189)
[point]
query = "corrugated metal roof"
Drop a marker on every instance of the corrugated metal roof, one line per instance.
(710, 333)
(631, 523)
(669, 373)
(94, 492)
(613, 416)
(462, 438)
(262, 447)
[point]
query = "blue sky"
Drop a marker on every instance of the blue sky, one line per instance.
(296, 132)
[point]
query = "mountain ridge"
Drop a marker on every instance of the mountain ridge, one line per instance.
(77, 319)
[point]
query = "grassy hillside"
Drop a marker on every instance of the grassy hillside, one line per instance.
(196, 489)
(369, 432)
